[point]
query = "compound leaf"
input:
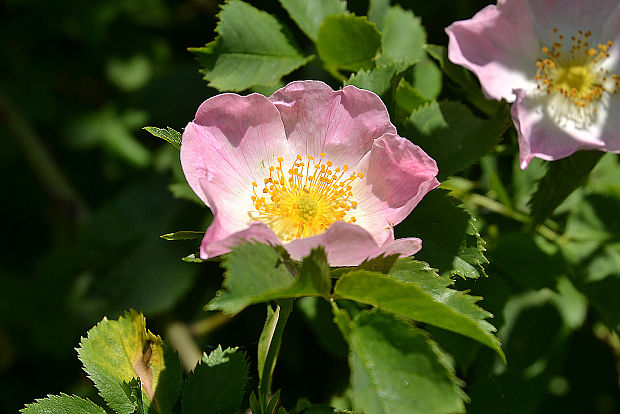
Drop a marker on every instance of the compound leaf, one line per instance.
(252, 48)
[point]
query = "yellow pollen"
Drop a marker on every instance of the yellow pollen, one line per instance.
(307, 200)
(575, 73)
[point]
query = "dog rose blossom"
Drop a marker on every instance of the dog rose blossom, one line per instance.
(558, 61)
(306, 167)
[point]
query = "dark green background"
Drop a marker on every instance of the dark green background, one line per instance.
(85, 197)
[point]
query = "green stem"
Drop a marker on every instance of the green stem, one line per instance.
(283, 310)
(497, 207)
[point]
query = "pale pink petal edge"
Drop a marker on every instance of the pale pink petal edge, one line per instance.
(345, 244)
(542, 138)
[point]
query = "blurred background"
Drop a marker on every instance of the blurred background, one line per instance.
(87, 193)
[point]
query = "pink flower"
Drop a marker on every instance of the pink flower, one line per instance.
(558, 61)
(305, 167)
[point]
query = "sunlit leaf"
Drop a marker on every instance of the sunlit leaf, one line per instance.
(257, 273)
(396, 368)
(183, 235)
(562, 178)
(62, 404)
(133, 390)
(403, 38)
(378, 79)
(377, 10)
(414, 290)
(170, 135)
(251, 48)
(450, 240)
(217, 384)
(426, 78)
(309, 15)
(115, 351)
(453, 136)
(348, 42)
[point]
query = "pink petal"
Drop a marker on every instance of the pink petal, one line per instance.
(610, 30)
(404, 247)
(343, 123)
(570, 16)
(611, 132)
(236, 138)
(397, 174)
(257, 231)
(230, 213)
(347, 244)
(500, 45)
(541, 136)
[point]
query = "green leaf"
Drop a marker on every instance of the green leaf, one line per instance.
(304, 406)
(426, 78)
(381, 263)
(403, 38)
(450, 240)
(170, 135)
(314, 275)
(133, 390)
(274, 400)
(252, 48)
(65, 404)
(318, 314)
(182, 190)
(217, 384)
(348, 42)
(322, 409)
(604, 293)
(255, 406)
(252, 269)
(453, 136)
(118, 351)
(309, 15)
(257, 273)
(129, 74)
(268, 350)
(466, 83)
(428, 120)
(377, 10)
(396, 368)
(409, 98)
(342, 320)
(562, 178)
(414, 290)
(115, 131)
(518, 256)
(265, 338)
(591, 243)
(378, 79)
(192, 258)
(183, 235)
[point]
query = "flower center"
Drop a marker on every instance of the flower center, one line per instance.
(576, 75)
(306, 199)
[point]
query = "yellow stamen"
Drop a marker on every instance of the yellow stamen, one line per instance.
(575, 73)
(307, 200)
